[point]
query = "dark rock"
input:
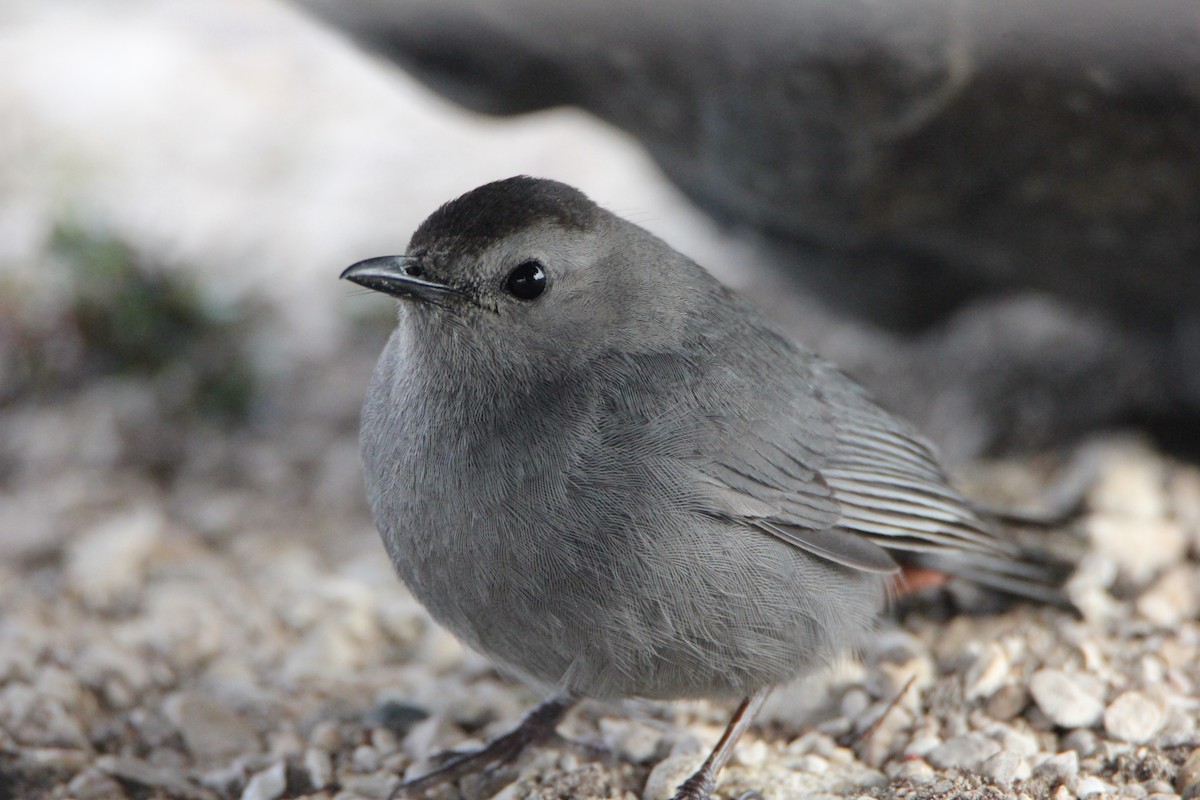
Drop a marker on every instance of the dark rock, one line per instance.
(397, 717)
(911, 162)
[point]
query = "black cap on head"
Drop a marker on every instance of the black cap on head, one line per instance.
(480, 217)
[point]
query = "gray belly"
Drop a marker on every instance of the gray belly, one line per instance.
(704, 609)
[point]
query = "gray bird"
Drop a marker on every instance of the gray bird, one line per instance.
(598, 466)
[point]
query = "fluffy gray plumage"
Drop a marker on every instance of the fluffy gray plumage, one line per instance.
(632, 484)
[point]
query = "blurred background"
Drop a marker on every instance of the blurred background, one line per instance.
(990, 216)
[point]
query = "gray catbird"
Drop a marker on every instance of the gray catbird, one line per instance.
(597, 465)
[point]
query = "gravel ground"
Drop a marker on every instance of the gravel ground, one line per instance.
(232, 629)
(193, 602)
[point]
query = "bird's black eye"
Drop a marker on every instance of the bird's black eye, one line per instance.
(527, 280)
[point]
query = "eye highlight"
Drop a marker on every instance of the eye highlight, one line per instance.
(527, 280)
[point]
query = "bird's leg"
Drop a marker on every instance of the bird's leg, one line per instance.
(701, 785)
(538, 726)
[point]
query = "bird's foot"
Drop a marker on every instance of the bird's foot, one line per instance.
(698, 787)
(537, 727)
(702, 785)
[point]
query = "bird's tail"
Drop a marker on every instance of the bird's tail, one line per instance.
(1028, 572)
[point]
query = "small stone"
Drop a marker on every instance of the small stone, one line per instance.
(963, 752)
(227, 780)
(842, 755)
(1069, 700)
(384, 741)
(887, 737)
(898, 681)
(107, 564)
(267, 784)
(1089, 588)
(92, 784)
(153, 728)
(365, 758)
(1059, 768)
(119, 674)
(211, 732)
(1189, 776)
(376, 786)
(319, 766)
(633, 742)
(1093, 785)
(751, 754)
(1110, 750)
(914, 770)
(1130, 483)
(567, 762)
(1083, 741)
(1134, 717)
(285, 744)
(1015, 741)
(57, 758)
(921, 744)
(142, 773)
(812, 763)
(1141, 546)
(326, 735)
(1173, 598)
(1005, 768)
(987, 672)
(668, 774)
(1007, 702)
(396, 716)
(812, 742)
(1061, 793)
(855, 703)
(1149, 670)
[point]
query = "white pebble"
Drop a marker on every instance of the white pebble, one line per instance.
(1069, 700)
(267, 784)
(915, 770)
(668, 774)
(812, 764)
(1130, 482)
(1016, 741)
(107, 563)
(633, 742)
(987, 672)
(1134, 717)
(1092, 785)
(1061, 767)
(751, 754)
(963, 752)
(812, 742)
(1141, 546)
(210, 731)
(319, 766)
(1005, 768)
(365, 758)
(1173, 598)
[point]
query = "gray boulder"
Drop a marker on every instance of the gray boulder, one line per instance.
(914, 163)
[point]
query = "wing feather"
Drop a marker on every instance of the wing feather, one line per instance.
(834, 475)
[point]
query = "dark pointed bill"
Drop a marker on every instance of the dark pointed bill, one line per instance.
(399, 276)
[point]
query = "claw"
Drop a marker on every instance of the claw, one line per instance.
(538, 726)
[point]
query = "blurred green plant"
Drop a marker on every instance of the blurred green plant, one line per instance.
(134, 320)
(126, 317)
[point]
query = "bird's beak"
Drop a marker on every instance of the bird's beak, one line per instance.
(399, 276)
